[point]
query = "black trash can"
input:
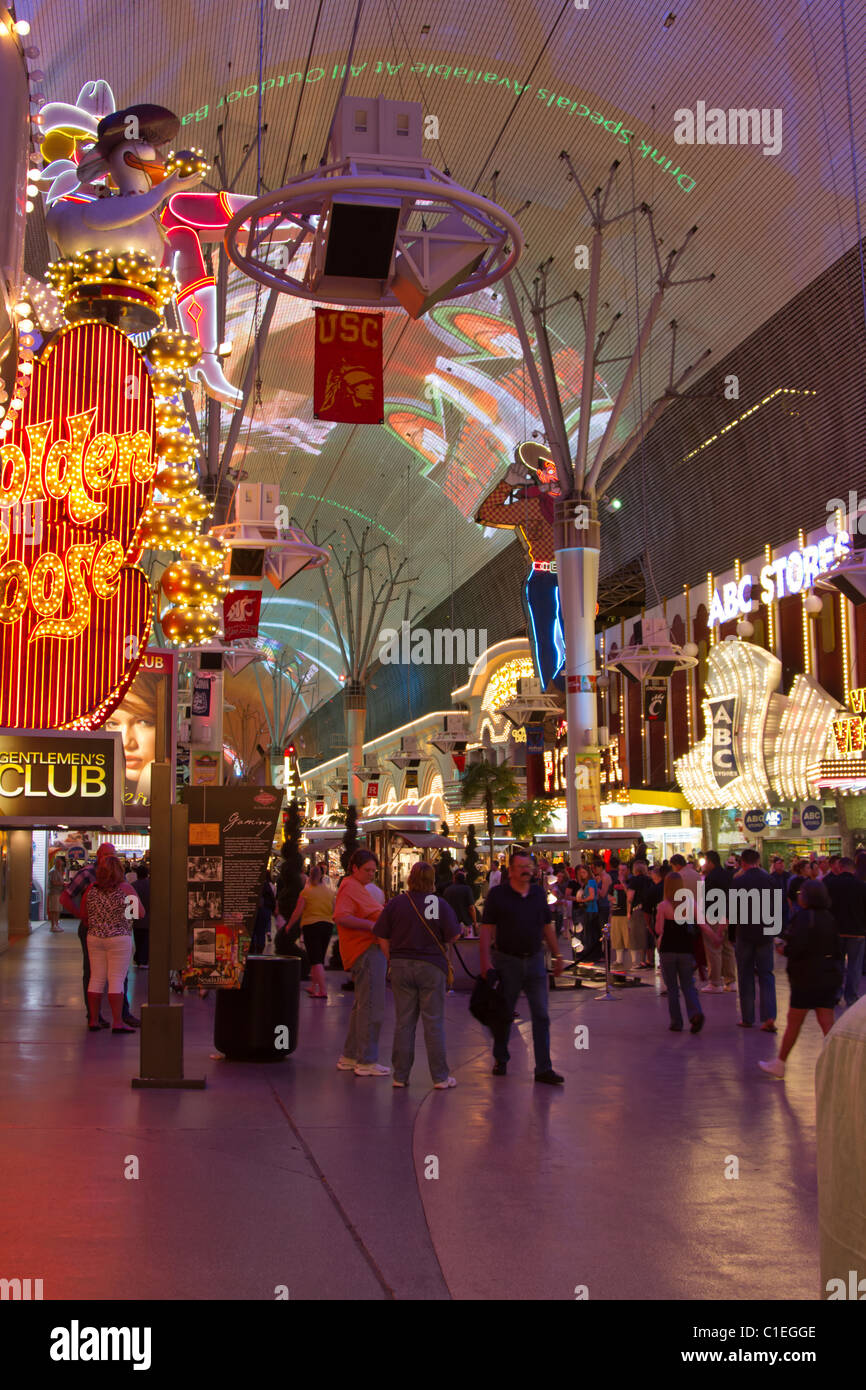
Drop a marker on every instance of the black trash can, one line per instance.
(247, 1020)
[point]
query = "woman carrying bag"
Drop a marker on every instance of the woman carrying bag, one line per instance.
(814, 952)
(418, 926)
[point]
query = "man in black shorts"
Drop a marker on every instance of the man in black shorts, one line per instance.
(516, 922)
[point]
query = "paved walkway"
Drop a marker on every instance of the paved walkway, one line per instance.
(296, 1174)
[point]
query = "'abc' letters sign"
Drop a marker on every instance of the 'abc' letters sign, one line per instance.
(723, 720)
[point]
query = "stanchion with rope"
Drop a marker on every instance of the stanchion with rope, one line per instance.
(607, 992)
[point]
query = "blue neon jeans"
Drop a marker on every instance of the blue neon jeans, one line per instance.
(528, 976)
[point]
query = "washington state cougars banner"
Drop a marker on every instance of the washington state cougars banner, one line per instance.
(241, 609)
(348, 368)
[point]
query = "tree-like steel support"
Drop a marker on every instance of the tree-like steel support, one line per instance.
(577, 537)
(288, 674)
(365, 601)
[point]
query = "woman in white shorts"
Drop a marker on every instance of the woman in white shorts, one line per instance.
(108, 909)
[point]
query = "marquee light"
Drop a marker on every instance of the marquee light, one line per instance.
(794, 573)
(74, 608)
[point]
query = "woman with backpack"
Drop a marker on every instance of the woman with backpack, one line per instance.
(814, 952)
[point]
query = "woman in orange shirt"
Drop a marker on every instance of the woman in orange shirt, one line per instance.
(365, 956)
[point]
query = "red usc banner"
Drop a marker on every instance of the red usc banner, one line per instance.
(76, 475)
(241, 609)
(347, 385)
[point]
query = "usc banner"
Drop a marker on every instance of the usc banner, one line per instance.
(347, 385)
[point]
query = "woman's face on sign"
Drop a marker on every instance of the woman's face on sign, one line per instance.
(139, 738)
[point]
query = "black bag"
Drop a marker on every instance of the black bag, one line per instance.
(487, 1003)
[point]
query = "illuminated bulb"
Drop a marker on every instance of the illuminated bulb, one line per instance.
(32, 190)
(23, 307)
(16, 403)
(25, 325)
(28, 206)
(25, 367)
(27, 340)
(21, 27)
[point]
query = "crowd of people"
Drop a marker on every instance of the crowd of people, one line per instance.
(642, 916)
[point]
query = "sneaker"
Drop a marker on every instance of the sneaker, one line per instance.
(500, 1069)
(131, 1021)
(712, 989)
(730, 988)
(769, 1026)
(446, 1084)
(372, 1069)
(774, 1068)
(550, 1078)
(347, 1064)
(401, 1084)
(697, 1022)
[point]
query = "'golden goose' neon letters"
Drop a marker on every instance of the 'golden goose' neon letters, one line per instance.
(77, 468)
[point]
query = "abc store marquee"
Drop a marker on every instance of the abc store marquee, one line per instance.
(760, 742)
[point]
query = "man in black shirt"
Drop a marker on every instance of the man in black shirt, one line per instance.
(720, 959)
(518, 919)
(847, 895)
(459, 896)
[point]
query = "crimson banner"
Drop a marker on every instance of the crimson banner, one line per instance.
(348, 368)
(241, 609)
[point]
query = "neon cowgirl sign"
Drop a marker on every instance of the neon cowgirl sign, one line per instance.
(790, 574)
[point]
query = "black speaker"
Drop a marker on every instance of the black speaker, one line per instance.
(361, 240)
(246, 563)
(210, 661)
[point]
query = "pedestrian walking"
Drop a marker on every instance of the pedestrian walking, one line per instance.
(754, 945)
(676, 947)
(847, 895)
(56, 884)
(516, 923)
(315, 912)
(721, 960)
(365, 956)
(108, 909)
(814, 952)
(418, 925)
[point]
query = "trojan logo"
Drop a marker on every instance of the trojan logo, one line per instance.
(353, 383)
(76, 476)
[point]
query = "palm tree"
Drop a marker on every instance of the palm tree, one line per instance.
(530, 818)
(495, 783)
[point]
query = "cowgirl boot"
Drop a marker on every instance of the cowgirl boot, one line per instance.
(197, 310)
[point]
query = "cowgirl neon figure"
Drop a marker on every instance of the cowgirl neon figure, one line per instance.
(87, 143)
